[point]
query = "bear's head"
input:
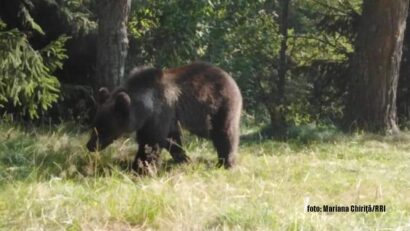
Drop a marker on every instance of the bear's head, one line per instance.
(111, 120)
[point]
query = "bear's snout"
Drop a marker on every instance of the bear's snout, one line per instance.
(97, 144)
(91, 146)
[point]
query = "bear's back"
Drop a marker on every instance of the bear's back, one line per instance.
(202, 80)
(203, 91)
(144, 77)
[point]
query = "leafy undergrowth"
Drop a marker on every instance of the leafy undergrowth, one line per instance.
(48, 181)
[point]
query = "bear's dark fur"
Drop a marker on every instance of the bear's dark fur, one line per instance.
(200, 97)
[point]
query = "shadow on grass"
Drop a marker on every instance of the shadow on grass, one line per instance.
(402, 137)
(40, 154)
(304, 134)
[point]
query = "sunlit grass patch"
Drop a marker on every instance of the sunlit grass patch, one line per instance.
(50, 181)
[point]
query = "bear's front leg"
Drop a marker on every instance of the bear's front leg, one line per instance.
(174, 146)
(147, 159)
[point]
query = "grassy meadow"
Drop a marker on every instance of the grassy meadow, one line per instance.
(49, 181)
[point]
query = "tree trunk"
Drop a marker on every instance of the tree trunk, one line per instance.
(376, 65)
(276, 112)
(403, 91)
(112, 42)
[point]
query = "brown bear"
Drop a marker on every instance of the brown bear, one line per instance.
(200, 97)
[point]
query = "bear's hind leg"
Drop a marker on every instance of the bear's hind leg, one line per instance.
(225, 136)
(225, 146)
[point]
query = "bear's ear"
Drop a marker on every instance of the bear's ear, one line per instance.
(123, 103)
(103, 95)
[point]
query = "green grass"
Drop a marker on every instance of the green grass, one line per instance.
(48, 181)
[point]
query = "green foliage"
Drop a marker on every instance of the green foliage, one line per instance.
(334, 16)
(320, 46)
(26, 80)
(28, 67)
(54, 54)
(26, 18)
(308, 48)
(167, 33)
(75, 16)
(2, 25)
(78, 15)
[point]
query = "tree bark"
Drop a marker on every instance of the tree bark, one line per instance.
(276, 112)
(403, 91)
(112, 42)
(376, 64)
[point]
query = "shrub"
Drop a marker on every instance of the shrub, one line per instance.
(27, 85)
